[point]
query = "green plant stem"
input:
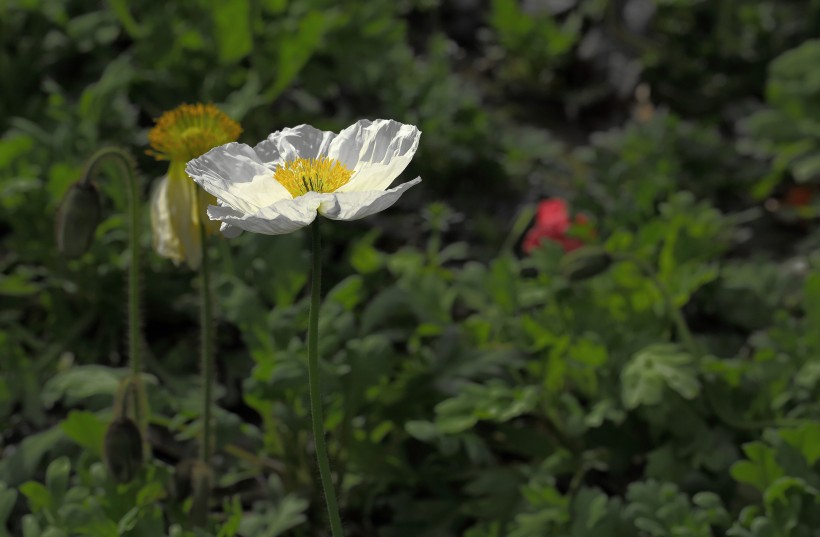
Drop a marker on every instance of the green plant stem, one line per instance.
(206, 344)
(125, 164)
(672, 309)
(694, 349)
(317, 416)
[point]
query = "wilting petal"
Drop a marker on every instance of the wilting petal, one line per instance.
(284, 216)
(175, 218)
(356, 205)
(288, 144)
(377, 152)
(164, 240)
(234, 174)
(183, 206)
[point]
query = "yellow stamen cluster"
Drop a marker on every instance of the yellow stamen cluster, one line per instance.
(304, 175)
(191, 130)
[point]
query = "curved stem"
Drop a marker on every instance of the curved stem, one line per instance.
(317, 416)
(206, 344)
(125, 163)
(127, 168)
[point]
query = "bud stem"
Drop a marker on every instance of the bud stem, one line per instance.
(316, 413)
(125, 164)
(206, 347)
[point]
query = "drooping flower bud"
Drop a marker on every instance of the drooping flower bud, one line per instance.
(585, 262)
(77, 219)
(122, 449)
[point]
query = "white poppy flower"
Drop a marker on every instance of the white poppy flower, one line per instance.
(281, 184)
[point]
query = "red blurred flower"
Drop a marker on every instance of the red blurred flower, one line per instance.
(552, 223)
(799, 196)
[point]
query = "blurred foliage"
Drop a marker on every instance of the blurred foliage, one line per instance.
(470, 390)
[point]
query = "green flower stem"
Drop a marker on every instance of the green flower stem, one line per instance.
(316, 413)
(694, 349)
(206, 343)
(125, 164)
(671, 309)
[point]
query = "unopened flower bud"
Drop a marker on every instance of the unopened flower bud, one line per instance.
(77, 219)
(585, 262)
(122, 449)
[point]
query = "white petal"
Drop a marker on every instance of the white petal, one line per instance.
(288, 144)
(377, 152)
(174, 220)
(229, 232)
(356, 205)
(284, 216)
(234, 174)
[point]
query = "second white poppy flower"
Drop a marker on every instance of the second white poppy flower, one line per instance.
(282, 183)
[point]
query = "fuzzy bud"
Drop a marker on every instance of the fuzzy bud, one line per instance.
(122, 450)
(77, 219)
(584, 263)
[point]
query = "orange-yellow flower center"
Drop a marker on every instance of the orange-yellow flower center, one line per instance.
(191, 130)
(304, 175)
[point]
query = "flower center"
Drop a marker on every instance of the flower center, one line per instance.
(190, 130)
(304, 175)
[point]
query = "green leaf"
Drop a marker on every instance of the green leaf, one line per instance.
(493, 401)
(86, 429)
(421, 430)
(805, 439)
(806, 168)
(364, 257)
(23, 464)
(8, 497)
(17, 285)
(654, 369)
(232, 29)
(347, 292)
(38, 496)
(83, 382)
(761, 470)
(589, 507)
(777, 491)
(57, 475)
(295, 50)
(120, 9)
(13, 147)
(811, 304)
(288, 513)
(31, 528)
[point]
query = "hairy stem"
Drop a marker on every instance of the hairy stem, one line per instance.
(316, 413)
(206, 344)
(124, 162)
